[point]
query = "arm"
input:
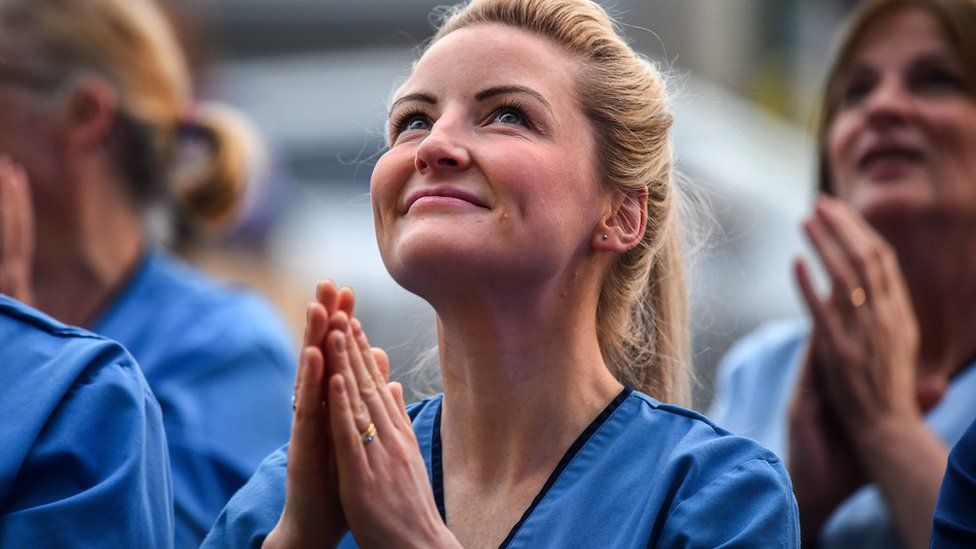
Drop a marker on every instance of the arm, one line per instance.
(868, 355)
(749, 505)
(98, 474)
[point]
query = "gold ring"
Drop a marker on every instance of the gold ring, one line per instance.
(858, 297)
(369, 434)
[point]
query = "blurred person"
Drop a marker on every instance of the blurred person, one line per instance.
(954, 523)
(865, 401)
(82, 449)
(96, 106)
(527, 194)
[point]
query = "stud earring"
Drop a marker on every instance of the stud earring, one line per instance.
(606, 237)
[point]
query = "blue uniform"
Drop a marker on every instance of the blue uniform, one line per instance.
(642, 474)
(755, 382)
(955, 513)
(221, 364)
(82, 449)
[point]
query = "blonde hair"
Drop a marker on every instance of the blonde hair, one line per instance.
(958, 21)
(131, 45)
(642, 315)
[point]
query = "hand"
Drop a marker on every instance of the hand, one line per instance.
(383, 482)
(16, 232)
(822, 465)
(868, 344)
(313, 513)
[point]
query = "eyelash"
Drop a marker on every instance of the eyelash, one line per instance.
(399, 121)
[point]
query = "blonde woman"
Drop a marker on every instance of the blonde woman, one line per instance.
(527, 194)
(95, 102)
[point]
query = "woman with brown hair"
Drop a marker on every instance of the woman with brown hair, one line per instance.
(865, 403)
(528, 195)
(96, 106)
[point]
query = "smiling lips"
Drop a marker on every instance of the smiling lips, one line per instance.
(442, 194)
(882, 158)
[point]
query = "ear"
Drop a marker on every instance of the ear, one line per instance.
(623, 226)
(90, 112)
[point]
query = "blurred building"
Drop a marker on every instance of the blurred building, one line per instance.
(315, 75)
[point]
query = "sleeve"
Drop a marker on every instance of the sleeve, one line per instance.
(254, 510)
(751, 505)
(221, 422)
(98, 472)
(955, 512)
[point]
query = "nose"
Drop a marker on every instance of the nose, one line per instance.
(442, 150)
(890, 103)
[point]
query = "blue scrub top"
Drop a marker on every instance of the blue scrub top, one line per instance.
(642, 474)
(955, 513)
(82, 449)
(221, 364)
(753, 389)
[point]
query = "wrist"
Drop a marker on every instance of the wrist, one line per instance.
(879, 438)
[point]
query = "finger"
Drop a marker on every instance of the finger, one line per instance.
(337, 344)
(327, 294)
(350, 451)
(824, 314)
(316, 324)
(382, 361)
(396, 389)
(345, 301)
(371, 387)
(860, 243)
(842, 276)
(376, 371)
(22, 224)
(307, 424)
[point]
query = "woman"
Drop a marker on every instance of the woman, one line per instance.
(866, 401)
(527, 195)
(96, 106)
(83, 460)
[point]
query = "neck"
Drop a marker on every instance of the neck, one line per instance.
(522, 378)
(940, 282)
(84, 257)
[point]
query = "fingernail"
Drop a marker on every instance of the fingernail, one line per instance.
(340, 343)
(341, 388)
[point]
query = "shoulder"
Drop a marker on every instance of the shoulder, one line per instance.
(63, 384)
(37, 345)
(184, 296)
(720, 486)
(693, 442)
(771, 343)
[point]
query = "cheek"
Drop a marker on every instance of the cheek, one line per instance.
(390, 175)
(841, 152)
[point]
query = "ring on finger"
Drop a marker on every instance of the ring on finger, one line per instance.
(368, 434)
(858, 297)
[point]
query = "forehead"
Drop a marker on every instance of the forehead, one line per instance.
(474, 58)
(901, 36)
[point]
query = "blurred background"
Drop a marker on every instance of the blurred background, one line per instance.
(315, 77)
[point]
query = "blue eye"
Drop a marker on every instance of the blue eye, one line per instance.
(416, 122)
(511, 115)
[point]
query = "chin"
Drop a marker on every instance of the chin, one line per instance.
(903, 199)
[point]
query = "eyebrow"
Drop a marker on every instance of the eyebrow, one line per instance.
(422, 97)
(503, 90)
(480, 96)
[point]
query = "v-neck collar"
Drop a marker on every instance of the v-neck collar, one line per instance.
(437, 463)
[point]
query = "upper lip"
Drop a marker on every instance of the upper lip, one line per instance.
(884, 148)
(445, 191)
